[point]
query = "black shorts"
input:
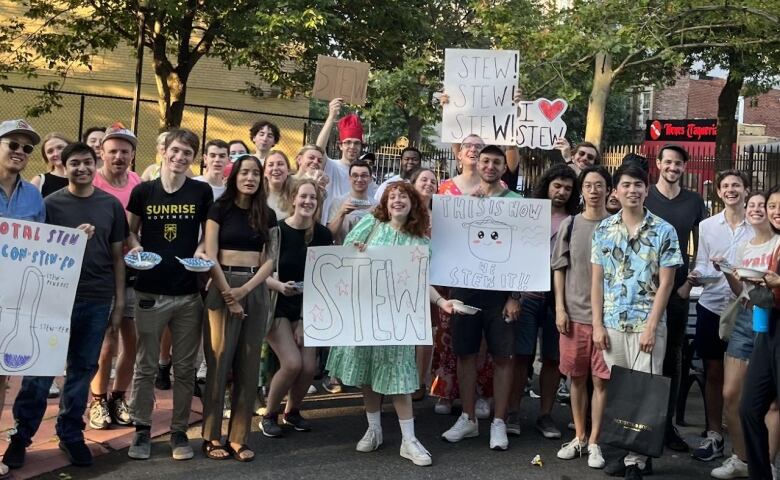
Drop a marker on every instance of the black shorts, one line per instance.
(468, 330)
(707, 340)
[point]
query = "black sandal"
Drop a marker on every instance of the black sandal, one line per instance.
(237, 453)
(209, 449)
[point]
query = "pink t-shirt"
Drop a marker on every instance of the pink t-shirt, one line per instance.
(123, 194)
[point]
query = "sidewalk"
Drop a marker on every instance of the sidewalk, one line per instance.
(44, 455)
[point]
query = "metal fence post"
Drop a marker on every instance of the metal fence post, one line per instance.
(203, 134)
(81, 115)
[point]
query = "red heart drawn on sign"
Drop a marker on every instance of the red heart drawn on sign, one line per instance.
(551, 110)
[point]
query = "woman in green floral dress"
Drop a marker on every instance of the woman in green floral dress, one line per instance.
(401, 218)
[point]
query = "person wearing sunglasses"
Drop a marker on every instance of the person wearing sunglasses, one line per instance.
(585, 155)
(18, 198)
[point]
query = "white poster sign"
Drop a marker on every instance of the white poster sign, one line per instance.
(491, 243)
(376, 297)
(540, 123)
(481, 86)
(41, 265)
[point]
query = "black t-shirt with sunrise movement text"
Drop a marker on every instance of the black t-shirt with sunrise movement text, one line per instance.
(170, 227)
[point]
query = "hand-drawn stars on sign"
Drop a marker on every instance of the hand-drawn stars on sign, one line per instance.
(343, 287)
(418, 254)
(402, 278)
(316, 313)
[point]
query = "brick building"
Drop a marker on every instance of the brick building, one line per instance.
(691, 97)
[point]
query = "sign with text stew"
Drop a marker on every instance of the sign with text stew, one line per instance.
(491, 243)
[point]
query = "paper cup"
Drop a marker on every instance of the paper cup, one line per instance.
(760, 319)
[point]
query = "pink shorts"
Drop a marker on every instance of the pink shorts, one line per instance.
(578, 354)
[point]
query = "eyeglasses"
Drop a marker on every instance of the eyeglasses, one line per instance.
(477, 146)
(360, 176)
(14, 146)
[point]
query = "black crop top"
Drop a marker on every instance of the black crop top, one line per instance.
(234, 230)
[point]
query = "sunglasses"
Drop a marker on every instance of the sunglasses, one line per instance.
(14, 146)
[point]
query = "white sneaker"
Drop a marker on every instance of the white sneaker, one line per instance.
(414, 451)
(370, 441)
(482, 409)
(572, 449)
(733, 467)
(54, 390)
(498, 440)
(463, 428)
(595, 457)
(774, 472)
(442, 407)
(513, 424)
(312, 390)
(201, 371)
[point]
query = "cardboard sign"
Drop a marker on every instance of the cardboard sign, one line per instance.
(491, 243)
(540, 123)
(41, 265)
(376, 297)
(481, 85)
(336, 78)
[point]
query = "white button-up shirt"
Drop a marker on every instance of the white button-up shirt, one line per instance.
(717, 239)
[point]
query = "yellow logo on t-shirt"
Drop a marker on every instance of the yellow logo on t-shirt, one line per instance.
(169, 231)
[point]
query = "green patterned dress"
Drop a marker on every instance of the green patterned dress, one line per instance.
(389, 370)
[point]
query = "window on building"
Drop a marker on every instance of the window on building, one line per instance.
(644, 108)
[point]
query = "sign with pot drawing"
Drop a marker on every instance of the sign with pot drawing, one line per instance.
(41, 265)
(491, 243)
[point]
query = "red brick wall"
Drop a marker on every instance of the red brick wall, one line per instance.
(764, 110)
(703, 98)
(671, 103)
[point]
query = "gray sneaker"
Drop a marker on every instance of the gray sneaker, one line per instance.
(180, 446)
(547, 427)
(141, 448)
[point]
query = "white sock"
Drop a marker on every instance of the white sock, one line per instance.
(374, 419)
(407, 429)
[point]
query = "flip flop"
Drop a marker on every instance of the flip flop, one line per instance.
(237, 453)
(209, 449)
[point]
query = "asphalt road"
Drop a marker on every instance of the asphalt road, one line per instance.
(329, 451)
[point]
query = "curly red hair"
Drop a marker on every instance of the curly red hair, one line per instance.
(418, 220)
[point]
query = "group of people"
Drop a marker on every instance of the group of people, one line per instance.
(620, 272)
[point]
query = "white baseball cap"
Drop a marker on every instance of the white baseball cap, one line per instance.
(19, 126)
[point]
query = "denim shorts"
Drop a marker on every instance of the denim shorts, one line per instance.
(742, 337)
(535, 315)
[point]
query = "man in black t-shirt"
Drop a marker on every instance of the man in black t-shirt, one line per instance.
(684, 209)
(170, 212)
(102, 280)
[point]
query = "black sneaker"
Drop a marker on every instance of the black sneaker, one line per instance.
(77, 452)
(269, 427)
(633, 473)
(617, 468)
(674, 441)
(15, 453)
(163, 380)
(294, 419)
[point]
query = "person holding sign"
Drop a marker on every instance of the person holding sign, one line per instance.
(498, 309)
(297, 363)
(401, 218)
(238, 237)
(171, 211)
(634, 256)
(18, 198)
(101, 284)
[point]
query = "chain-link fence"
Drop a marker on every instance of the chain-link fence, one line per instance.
(81, 111)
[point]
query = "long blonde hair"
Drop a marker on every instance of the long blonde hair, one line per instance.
(284, 201)
(294, 188)
(50, 136)
(303, 150)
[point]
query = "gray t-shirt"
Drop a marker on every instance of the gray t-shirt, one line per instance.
(352, 218)
(573, 255)
(103, 211)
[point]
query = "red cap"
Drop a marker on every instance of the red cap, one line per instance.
(350, 127)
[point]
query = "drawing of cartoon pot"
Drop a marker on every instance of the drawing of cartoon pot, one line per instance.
(20, 346)
(490, 240)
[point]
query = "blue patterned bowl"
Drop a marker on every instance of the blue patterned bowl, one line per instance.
(196, 264)
(143, 260)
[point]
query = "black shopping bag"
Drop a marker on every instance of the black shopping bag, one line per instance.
(635, 412)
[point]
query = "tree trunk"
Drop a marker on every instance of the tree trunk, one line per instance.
(728, 100)
(597, 103)
(414, 132)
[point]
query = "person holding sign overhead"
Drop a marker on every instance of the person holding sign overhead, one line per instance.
(401, 218)
(498, 309)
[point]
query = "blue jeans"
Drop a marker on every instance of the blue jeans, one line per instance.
(88, 324)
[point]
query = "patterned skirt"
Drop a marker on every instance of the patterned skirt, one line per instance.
(389, 370)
